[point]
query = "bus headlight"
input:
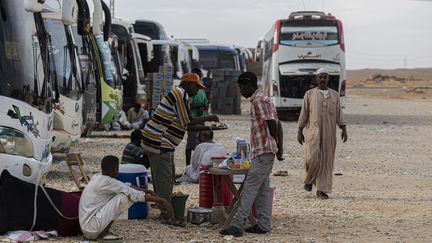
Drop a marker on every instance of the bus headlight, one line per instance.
(15, 142)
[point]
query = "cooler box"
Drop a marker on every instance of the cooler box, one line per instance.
(136, 175)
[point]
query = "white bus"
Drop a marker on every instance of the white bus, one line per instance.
(26, 90)
(291, 53)
(68, 109)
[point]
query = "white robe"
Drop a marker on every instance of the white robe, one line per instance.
(103, 200)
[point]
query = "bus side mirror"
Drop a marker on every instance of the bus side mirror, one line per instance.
(33, 6)
(69, 12)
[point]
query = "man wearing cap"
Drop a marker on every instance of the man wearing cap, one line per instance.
(166, 129)
(320, 113)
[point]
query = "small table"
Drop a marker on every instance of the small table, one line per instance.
(235, 203)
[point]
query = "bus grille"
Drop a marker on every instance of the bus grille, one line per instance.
(295, 86)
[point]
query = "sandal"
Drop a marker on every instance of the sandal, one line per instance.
(281, 173)
(232, 230)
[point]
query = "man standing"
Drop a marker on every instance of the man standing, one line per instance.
(266, 142)
(198, 106)
(165, 131)
(321, 112)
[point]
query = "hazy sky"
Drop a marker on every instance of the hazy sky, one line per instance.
(378, 33)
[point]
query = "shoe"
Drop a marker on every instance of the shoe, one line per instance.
(232, 230)
(255, 229)
(322, 195)
(308, 187)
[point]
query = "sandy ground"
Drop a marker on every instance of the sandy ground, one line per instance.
(383, 195)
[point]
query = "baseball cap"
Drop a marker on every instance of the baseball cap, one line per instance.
(192, 78)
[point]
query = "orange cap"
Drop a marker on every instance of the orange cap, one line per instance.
(192, 78)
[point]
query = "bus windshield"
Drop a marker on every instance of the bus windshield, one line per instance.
(216, 60)
(22, 74)
(306, 36)
(68, 80)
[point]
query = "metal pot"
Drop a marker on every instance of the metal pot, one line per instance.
(199, 215)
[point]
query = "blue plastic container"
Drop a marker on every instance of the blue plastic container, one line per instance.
(137, 176)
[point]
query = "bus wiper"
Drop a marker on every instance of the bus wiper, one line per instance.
(3, 10)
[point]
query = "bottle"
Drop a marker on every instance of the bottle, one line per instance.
(238, 161)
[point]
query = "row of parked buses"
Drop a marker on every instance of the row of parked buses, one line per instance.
(65, 71)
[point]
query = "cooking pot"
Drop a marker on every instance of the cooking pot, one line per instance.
(199, 215)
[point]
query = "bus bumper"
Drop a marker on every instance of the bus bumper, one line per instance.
(26, 169)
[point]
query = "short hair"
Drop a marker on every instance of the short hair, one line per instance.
(135, 135)
(109, 162)
(207, 134)
(197, 71)
(137, 106)
(248, 78)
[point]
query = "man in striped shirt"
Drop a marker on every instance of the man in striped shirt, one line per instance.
(166, 130)
(266, 143)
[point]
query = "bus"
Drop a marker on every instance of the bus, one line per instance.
(293, 50)
(135, 50)
(103, 96)
(26, 91)
(215, 56)
(162, 53)
(68, 109)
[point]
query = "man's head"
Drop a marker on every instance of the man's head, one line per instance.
(110, 166)
(322, 78)
(191, 83)
(205, 137)
(137, 107)
(136, 136)
(247, 83)
(198, 72)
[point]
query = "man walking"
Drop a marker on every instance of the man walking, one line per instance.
(266, 142)
(321, 112)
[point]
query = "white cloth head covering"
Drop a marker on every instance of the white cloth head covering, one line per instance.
(322, 70)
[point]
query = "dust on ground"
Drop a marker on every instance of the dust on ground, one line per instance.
(383, 195)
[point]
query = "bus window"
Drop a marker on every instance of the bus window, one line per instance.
(67, 80)
(226, 61)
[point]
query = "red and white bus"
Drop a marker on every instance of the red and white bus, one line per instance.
(293, 50)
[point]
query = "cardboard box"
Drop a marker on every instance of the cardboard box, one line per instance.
(157, 84)
(166, 69)
(167, 84)
(157, 77)
(167, 77)
(157, 91)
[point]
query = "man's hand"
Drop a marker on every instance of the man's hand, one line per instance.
(150, 192)
(300, 137)
(212, 118)
(344, 134)
(163, 204)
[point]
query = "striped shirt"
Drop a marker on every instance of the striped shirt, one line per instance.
(132, 154)
(168, 125)
(262, 110)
